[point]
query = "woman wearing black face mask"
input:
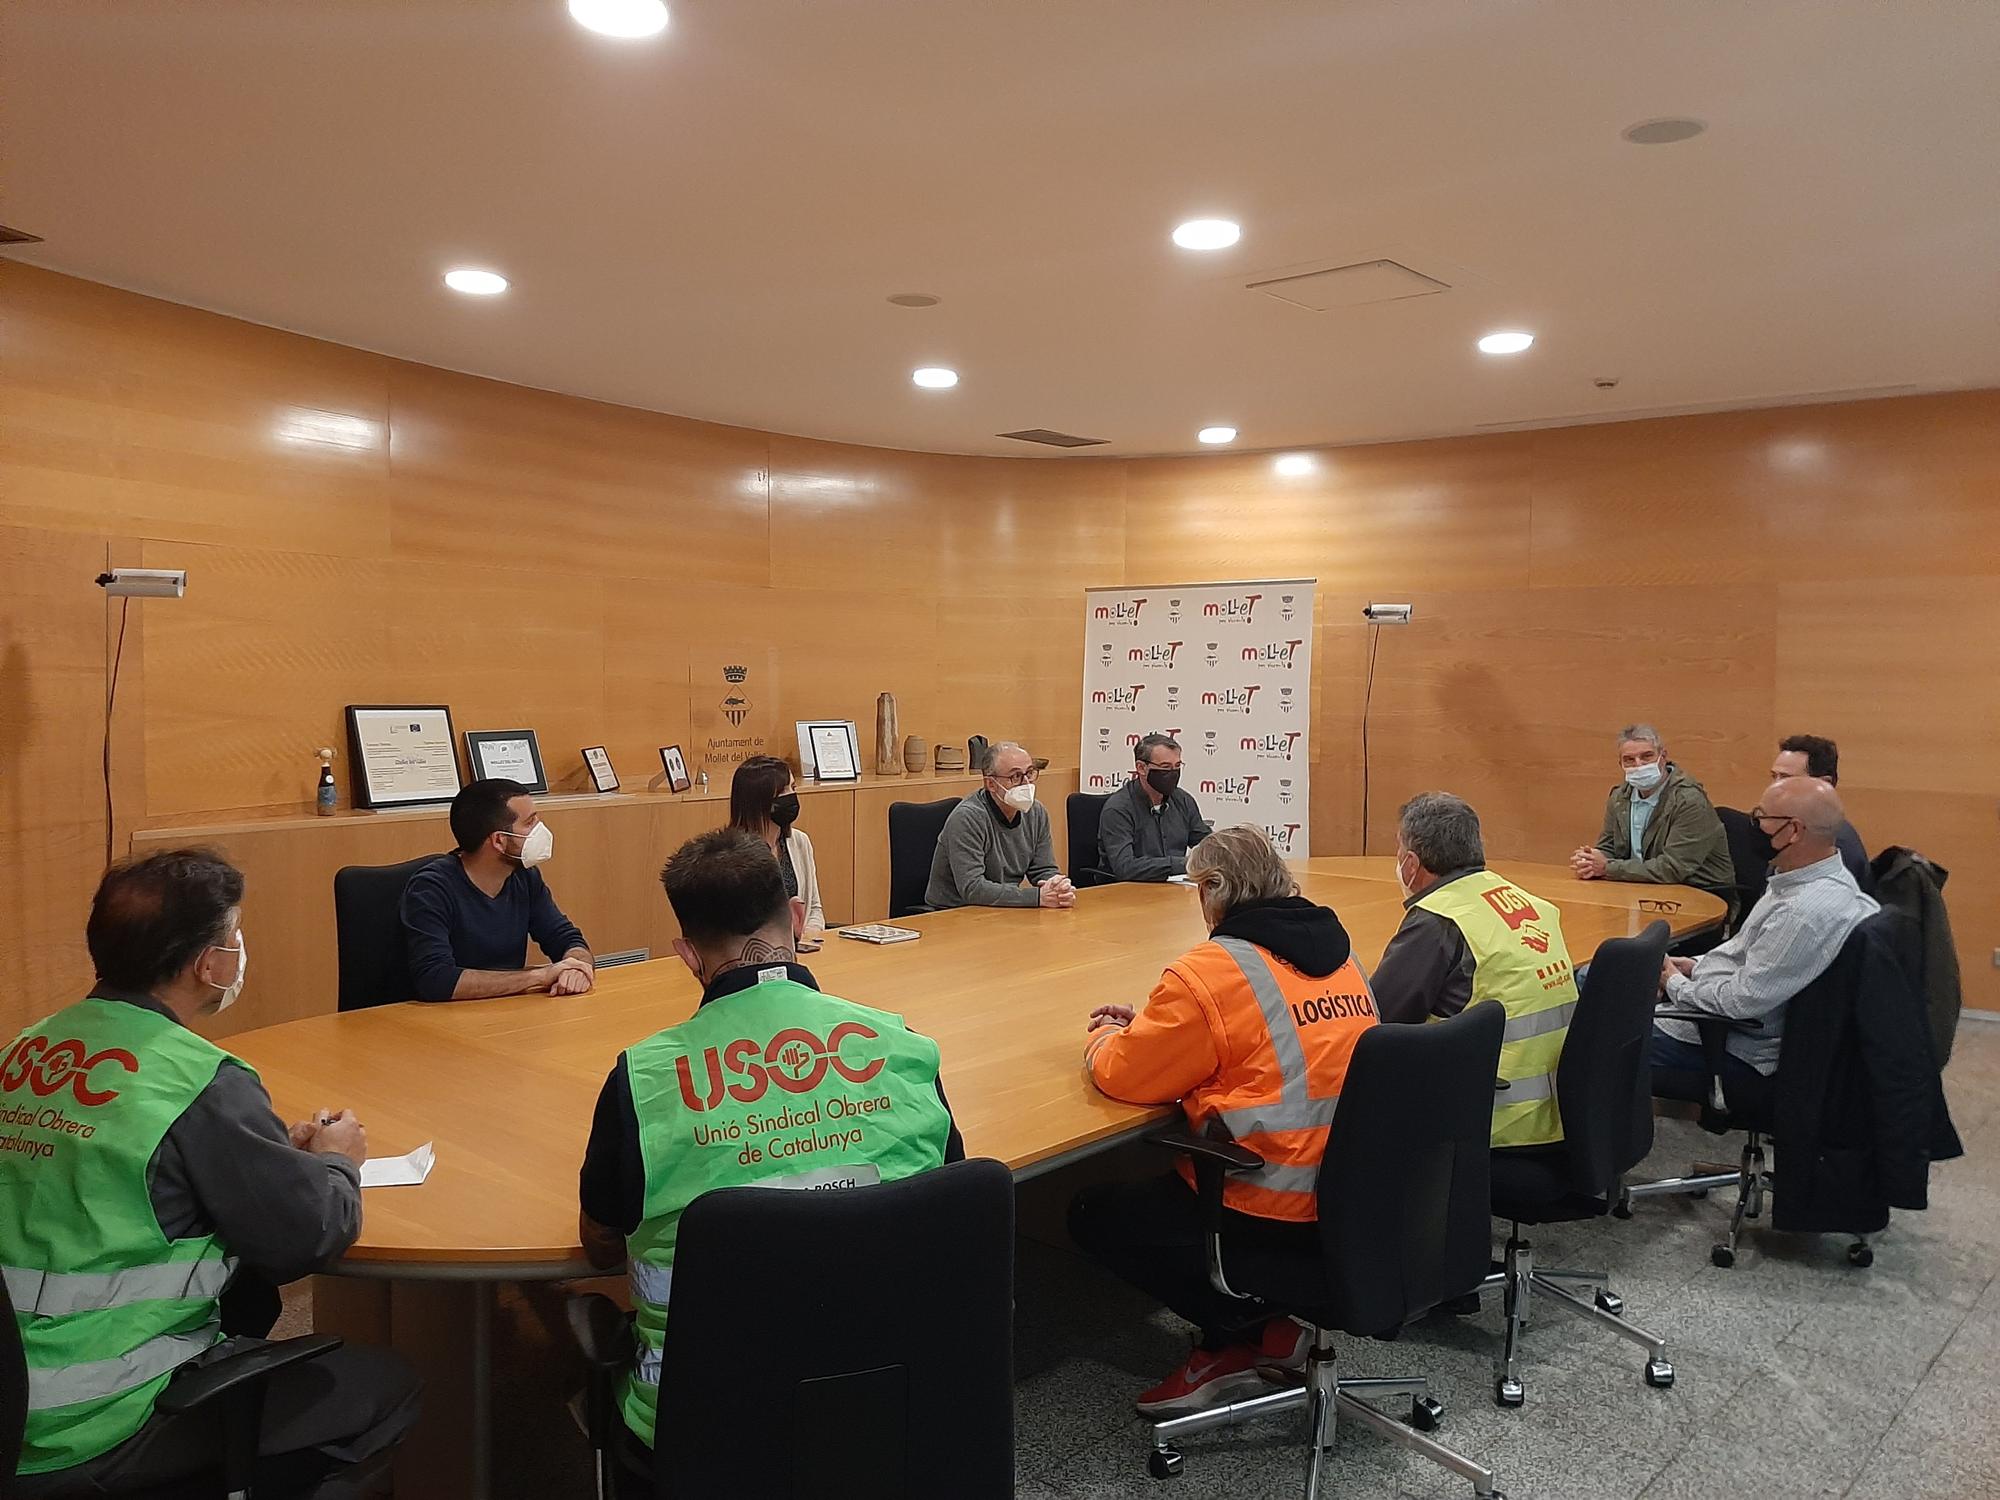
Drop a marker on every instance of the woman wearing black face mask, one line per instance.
(762, 801)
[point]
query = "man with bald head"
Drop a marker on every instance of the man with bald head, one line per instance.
(1790, 938)
(998, 838)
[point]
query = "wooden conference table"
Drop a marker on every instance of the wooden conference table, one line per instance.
(506, 1087)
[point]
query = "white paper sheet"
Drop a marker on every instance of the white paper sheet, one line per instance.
(399, 1171)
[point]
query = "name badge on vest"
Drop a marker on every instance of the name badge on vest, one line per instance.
(861, 1174)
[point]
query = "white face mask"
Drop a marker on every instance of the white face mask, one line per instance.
(1403, 882)
(235, 987)
(1643, 778)
(1021, 797)
(537, 844)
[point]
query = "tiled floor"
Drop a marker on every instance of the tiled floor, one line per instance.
(1797, 1375)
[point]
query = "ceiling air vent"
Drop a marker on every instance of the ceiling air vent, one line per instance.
(18, 237)
(1053, 439)
(1357, 285)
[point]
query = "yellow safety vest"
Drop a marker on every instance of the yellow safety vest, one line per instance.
(1517, 946)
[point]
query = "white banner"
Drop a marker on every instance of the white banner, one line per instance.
(1226, 669)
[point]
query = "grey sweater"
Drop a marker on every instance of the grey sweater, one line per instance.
(1138, 841)
(982, 858)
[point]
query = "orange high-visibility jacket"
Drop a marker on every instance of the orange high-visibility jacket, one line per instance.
(1237, 1034)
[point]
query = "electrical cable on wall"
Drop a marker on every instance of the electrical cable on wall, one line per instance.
(111, 702)
(1367, 698)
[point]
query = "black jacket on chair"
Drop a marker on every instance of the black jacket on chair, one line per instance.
(1859, 1111)
(1905, 880)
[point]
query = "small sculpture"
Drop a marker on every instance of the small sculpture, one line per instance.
(888, 744)
(916, 754)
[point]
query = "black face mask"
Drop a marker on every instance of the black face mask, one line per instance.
(1761, 846)
(785, 810)
(1163, 782)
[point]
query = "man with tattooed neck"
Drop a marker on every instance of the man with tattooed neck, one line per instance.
(771, 1083)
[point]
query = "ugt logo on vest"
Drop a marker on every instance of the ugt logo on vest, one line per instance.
(795, 1060)
(1519, 913)
(46, 1068)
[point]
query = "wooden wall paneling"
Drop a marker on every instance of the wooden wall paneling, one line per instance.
(492, 474)
(1029, 526)
(827, 816)
(856, 518)
(645, 649)
(1012, 669)
(131, 415)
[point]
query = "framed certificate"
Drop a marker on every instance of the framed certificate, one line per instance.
(511, 753)
(401, 755)
(598, 761)
(835, 753)
(675, 766)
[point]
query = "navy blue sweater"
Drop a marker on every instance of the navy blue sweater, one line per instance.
(451, 925)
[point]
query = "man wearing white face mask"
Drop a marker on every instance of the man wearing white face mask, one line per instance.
(997, 838)
(150, 1200)
(468, 915)
(1659, 825)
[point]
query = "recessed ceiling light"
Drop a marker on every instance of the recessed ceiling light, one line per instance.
(1208, 234)
(1216, 435)
(1663, 132)
(628, 19)
(1505, 343)
(475, 283)
(914, 299)
(935, 378)
(1295, 464)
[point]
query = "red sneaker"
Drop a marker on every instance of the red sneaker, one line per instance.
(1283, 1345)
(1210, 1377)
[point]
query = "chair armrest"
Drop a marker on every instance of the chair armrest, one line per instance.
(1226, 1154)
(258, 1362)
(601, 1331)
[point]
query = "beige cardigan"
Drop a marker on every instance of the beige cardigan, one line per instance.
(808, 872)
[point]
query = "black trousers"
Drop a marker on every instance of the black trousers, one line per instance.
(1150, 1234)
(320, 1417)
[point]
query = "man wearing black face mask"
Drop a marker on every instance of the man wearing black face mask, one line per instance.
(1149, 824)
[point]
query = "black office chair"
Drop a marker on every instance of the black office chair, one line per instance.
(1084, 810)
(229, 1390)
(834, 1344)
(914, 829)
(1603, 1089)
(368, 929)
(1404, 1189)
(1750, 1103)
(1746, 856)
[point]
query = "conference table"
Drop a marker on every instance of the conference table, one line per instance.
(505, 1089)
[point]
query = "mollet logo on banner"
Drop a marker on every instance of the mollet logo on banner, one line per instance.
(1132, 740)
(1120, 612)
(1212, 653)
(1125, 698)
(1287, 607)
(1230, 788)
(1161, 655)
(1105, 652)
(1174, 610)
(1285, 700)
(1237, 609)
(1278, 745)
(1108, 781)
(1104, 737)
(1285, 792)
(1273, 654)
(1173, 697)
(1283, 835)
(1235, 700)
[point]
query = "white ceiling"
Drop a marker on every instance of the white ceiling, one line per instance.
(708, 223)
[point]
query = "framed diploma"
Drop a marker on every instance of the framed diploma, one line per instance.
(598, 761)
(835, 754)
(401, 755)
(514, 754)
(675, 766)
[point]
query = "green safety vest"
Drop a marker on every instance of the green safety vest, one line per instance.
(1517, 945)
(107, 1305)
(777, 1085)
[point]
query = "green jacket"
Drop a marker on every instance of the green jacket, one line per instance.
(1684, 843)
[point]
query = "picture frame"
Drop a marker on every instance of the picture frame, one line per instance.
(675, 765)
(834, 748)
(401, 754)
(512, 753)
(597, 761)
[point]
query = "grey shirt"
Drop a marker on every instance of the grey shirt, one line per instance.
(228, 1167)
(1138, 841)
(982, 858)
(1789, 939)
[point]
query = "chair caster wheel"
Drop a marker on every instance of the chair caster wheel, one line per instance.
(1622, 1209)
(1699, 1193)
(1508, 1392)
(1722, 1256)
(1426, 1412)
(1610, 1302)
(1163, 1463)
(1862, 1256)
(1659, 1374)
